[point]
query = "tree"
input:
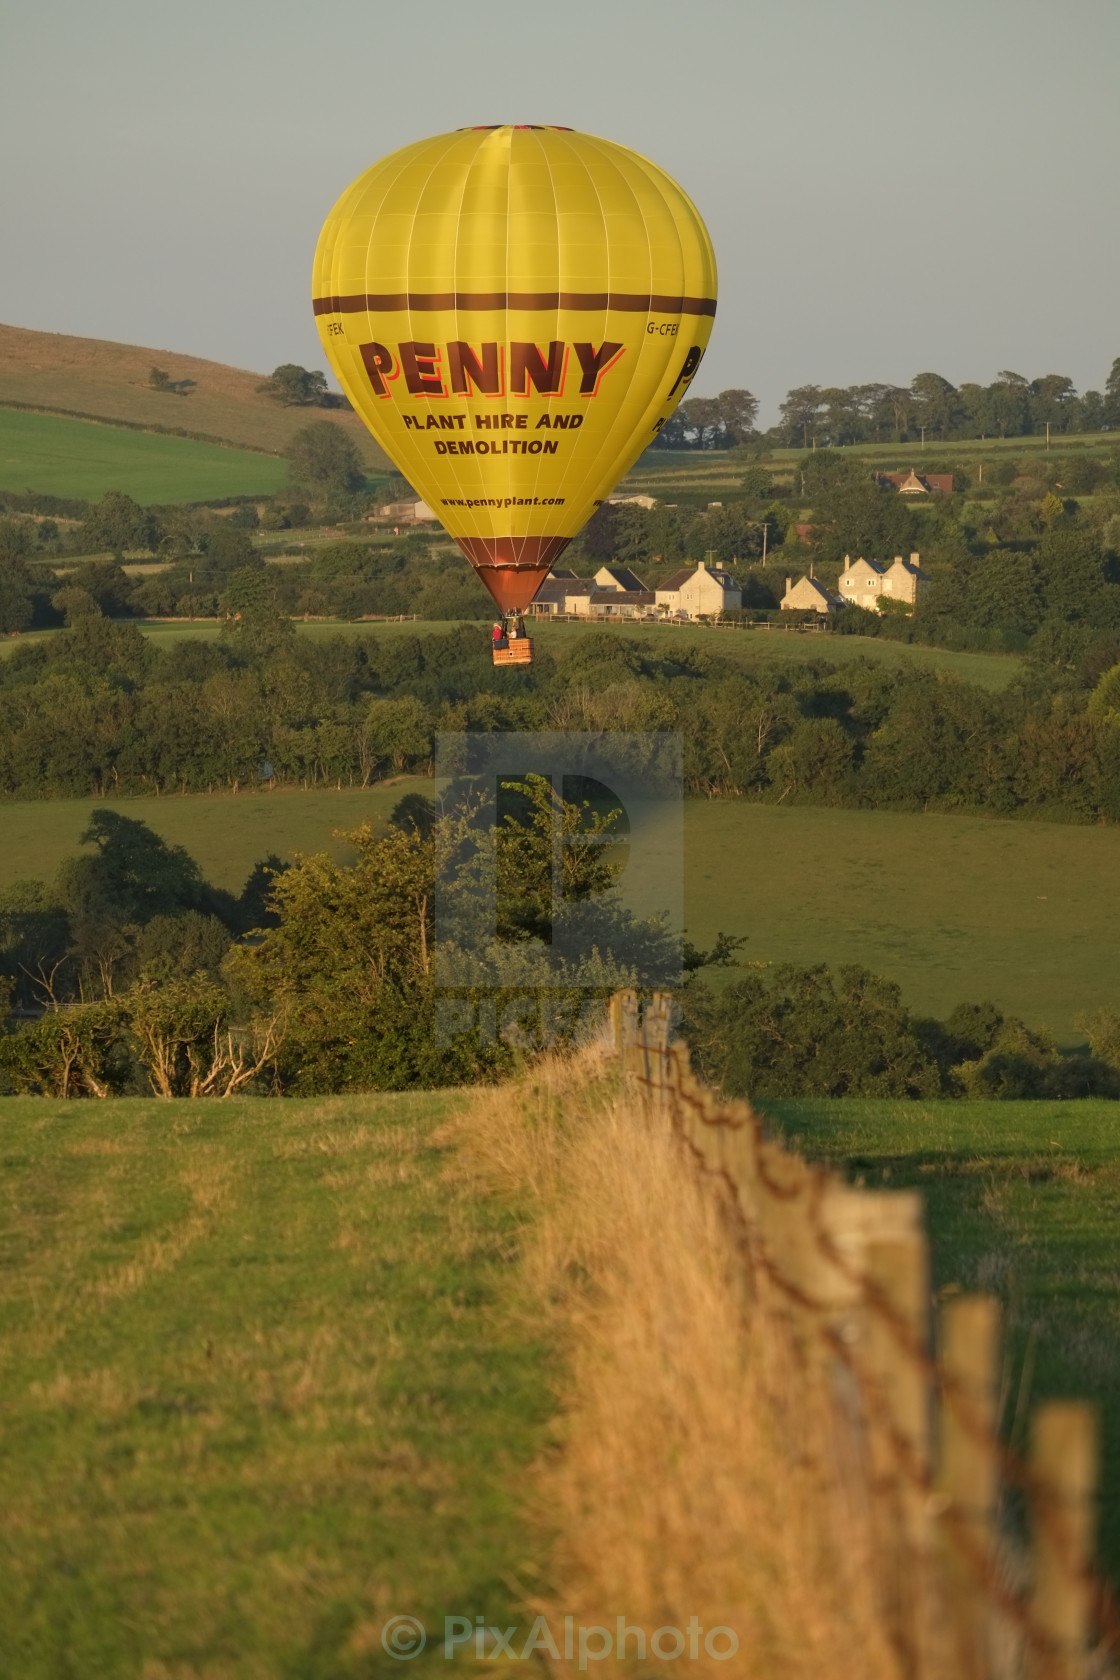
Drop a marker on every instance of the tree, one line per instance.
(801, 1032)
(936, 402)
(295, 387)
(16, 605)
(799, 414)
(118, 523)
(1112, 397)
(160, 380)
(738, 411)
(322, 457)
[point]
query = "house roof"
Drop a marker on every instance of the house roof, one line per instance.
(679, 579)
(622, 576)
(908, 566)
(872, 565)
(560, 589)
(813, 586)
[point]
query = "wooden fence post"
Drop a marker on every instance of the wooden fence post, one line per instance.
(897, 1341)
(1064, 1454)
(614, 1018)
(968, 1475)
(628, 1005)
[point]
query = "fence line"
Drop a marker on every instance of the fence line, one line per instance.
(847, 1271)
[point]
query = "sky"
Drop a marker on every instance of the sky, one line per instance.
(891, 187)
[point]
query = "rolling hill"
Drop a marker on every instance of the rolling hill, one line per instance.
(94, 379)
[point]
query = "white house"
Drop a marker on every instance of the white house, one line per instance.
(699, 590)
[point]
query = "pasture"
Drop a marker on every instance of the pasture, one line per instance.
(1023, 1200)
(952, 908)
(263, 1388)
(64, 457)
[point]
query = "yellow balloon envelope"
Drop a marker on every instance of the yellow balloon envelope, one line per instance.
(514, 312)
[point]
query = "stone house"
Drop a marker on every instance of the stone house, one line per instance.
(588, 598)
(808, 594)
(864, 583)
(699, 590)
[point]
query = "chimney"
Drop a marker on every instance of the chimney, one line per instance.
(847, 562)
(789, 586)
(915, 559)
(898, 559)
(702, 564)
(810, 568)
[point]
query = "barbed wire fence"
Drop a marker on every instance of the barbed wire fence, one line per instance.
(847, 1272)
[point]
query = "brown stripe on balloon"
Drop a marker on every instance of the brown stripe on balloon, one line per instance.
(512, 568)
(645, 303)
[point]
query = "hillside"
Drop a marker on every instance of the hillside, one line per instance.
(95, 378)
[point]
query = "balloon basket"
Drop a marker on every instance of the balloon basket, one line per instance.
(519, 652)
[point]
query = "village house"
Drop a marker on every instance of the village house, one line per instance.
(407, 513)
(614, 592)
(918, 484)
(699, 591)
(864, 583)
(618, 577)
(808, 594)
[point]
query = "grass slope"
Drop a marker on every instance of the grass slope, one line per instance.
(1023, 1200)
(952, 908)
(107, 381)
(261, 1386)
(84, 458)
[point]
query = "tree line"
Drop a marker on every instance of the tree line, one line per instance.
(931, 408)
(100, 710)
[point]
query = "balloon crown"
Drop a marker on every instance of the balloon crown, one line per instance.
(488, 128)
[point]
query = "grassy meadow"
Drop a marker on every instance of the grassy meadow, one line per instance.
(1023, 1200)
(85, 458)
(952, 908)
(263, 1387)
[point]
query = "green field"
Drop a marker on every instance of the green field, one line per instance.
(80, 458)
(1023, 1201)
(952, 908)
(748, 647)
(263, 1388)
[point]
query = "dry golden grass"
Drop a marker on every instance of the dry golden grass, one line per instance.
(699, 1473)
(103, 380)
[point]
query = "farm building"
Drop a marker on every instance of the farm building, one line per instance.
(698, 591)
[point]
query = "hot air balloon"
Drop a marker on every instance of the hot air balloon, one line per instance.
(514, 312)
